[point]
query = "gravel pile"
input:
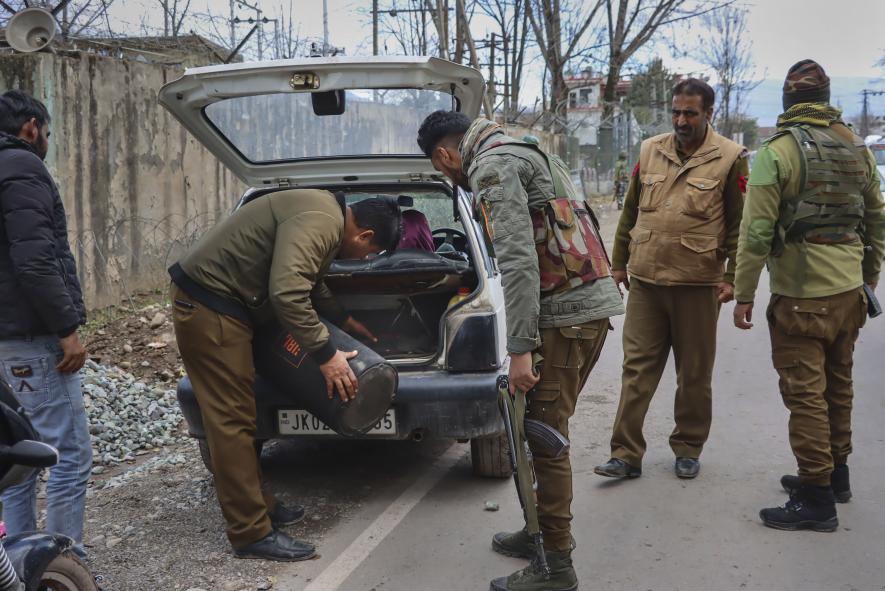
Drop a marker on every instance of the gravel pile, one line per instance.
(127, 417)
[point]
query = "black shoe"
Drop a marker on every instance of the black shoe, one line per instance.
(615, 468)
(278, 546)
(687, 467)
(838, 480)
(282, 515)
(810, 507)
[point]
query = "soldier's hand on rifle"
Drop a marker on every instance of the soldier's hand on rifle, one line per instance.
(743, 314)
(620, 277)
(522, 372)
(726, 292)
(339, 376)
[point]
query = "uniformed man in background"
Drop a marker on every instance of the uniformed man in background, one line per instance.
(814, 213)
(558, 297)
(267, 260)
(620, 179)
(680, 223)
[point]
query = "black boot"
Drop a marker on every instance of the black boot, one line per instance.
(810, 507)
(562, 576)
(838, 480)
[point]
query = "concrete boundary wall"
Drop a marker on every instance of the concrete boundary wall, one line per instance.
(137, 188)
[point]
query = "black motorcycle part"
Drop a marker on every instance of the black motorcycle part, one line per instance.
(32, 552)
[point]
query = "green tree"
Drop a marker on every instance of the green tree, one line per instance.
(649, 97)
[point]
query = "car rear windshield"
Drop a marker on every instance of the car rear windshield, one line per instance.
(277, 127)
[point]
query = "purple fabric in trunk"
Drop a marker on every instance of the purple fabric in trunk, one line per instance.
(416, 231)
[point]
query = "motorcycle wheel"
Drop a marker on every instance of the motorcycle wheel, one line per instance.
(67, 573)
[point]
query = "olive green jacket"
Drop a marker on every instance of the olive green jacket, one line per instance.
(270, 257)
(527, 185)
(803, 270)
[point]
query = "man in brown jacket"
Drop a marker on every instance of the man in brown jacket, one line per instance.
(681, 220)
(267, 260)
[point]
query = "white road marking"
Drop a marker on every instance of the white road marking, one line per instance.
(348, 561)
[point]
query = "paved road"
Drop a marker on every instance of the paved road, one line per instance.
(419, 521)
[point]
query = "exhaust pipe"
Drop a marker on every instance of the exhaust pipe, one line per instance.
(417, 435)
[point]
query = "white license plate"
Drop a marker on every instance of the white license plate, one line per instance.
(301, 422)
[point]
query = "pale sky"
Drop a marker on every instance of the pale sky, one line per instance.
(847, 37)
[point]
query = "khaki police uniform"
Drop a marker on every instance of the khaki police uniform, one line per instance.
(679, 225)
(265, 261)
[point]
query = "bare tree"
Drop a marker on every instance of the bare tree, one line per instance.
(410, 28)
(439, 13)
(287, 43)
(513, 24)
(561, 40)
(630, 25)
(174, 14)
(729, 53)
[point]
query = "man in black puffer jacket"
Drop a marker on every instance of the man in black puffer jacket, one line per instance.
(41, 307)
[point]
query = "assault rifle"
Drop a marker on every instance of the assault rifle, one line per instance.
(521, 431)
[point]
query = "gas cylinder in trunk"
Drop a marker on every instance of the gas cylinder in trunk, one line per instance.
(280, 359)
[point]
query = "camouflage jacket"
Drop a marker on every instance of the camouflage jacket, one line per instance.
(509, 183)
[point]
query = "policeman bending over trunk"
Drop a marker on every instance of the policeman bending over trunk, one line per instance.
(267, 260)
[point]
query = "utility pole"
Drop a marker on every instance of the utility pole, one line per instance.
(325, 27)
(374, 27)
(233, 25)
(492, 90)
(865, 117)
(507, 89)
(865, 114)
(259, 21)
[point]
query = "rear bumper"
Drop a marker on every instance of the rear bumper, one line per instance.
(427, 404)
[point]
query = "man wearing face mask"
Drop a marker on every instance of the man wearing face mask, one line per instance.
(680, 222)
(41, 308)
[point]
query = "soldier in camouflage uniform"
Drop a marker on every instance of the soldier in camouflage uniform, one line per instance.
(558, 295)
(813, 202)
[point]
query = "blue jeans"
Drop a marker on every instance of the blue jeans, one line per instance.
(54, 403)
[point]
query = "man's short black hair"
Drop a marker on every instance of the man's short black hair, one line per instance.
(381, 215)
(17, 108)
(695, 87)
(440, 125)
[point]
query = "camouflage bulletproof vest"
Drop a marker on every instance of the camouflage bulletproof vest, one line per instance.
(830, 206)
(570, 250)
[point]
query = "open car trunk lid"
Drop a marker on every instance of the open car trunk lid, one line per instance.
(321, 120)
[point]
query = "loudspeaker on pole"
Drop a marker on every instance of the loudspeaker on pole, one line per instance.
(31, 29)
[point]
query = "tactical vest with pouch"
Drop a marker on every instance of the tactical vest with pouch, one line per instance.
(829, 208)
(570, 249)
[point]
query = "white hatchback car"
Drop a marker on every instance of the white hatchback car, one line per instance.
(350, 125)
